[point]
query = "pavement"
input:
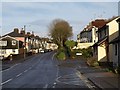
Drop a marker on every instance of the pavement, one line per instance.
(68, 75)
(100, 77)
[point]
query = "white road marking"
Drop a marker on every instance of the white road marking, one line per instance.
(25, 70)
(55, 83)
(57, 72)
(56, 66)
(19, 74)
(6, 81)
(53, 56)
(53, 87)
(45, 86)
(10, 67)
(57, 80)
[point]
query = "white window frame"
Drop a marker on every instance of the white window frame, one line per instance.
(14, 42)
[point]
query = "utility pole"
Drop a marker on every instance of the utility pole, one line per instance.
(32, 41)
(24, 42)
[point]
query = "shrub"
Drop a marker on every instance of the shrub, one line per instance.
(61, 56)
(111, 69)
(92, 61)
(87, 53)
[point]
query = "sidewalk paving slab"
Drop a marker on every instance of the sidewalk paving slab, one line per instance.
(106, 82)
(100, 77)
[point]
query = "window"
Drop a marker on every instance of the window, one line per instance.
(105, 33)
(100, 35)
(3, 43)
(116, 49)
(107, 30)
(13, 42)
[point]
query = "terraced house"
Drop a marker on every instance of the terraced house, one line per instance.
(88, 36)
(106, 35)
(116, 48)
(28, 42)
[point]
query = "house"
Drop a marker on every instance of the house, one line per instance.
(20, 36)
(102, 46)
(36, 44)
(89, 36)
(17, 35)
(51, 46)
(116, 48)
(29, 40)
(106, 34)
(33, 43)
(9, 45)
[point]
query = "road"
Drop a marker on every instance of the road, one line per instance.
(42, 71)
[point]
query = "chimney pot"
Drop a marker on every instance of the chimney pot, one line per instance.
(16, 30)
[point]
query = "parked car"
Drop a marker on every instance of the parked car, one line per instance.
(42, 51)
(3, 54)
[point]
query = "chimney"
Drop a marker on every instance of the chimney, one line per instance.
(28, 33)
(16, 30)
(22, 31)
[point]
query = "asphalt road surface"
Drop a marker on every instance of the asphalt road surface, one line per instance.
(42, 71)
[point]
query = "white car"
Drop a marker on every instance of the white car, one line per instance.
(42, 51)
(78, 53)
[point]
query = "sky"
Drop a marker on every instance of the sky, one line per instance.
(37, 16)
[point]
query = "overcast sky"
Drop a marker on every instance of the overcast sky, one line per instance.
(38, 15)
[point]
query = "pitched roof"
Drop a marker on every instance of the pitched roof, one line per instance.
(118, 20)
(111, 19)
(99, 23)
(15, 34)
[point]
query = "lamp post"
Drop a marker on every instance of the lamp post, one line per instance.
(24, 42)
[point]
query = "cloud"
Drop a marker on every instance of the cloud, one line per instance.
(41, 14)
(0, 14)
(59, 0)
(40, 22)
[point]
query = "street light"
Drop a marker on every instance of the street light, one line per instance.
(24, 42)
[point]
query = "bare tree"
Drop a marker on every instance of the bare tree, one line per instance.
(60, 31)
